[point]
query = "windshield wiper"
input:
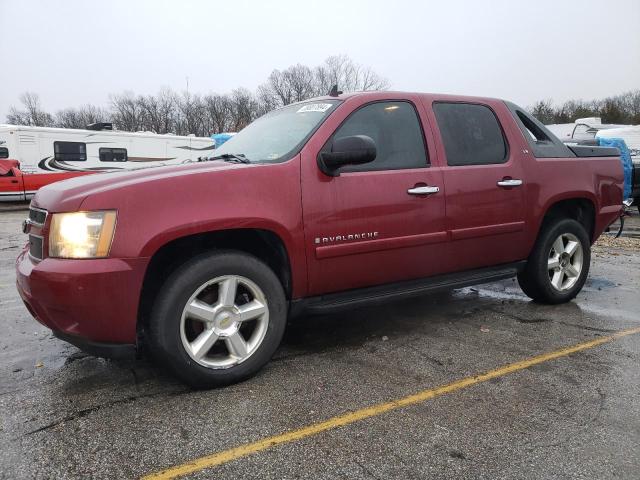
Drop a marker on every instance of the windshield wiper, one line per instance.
(231, 157)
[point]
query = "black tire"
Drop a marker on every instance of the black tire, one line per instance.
(535, 279)
(164, 337)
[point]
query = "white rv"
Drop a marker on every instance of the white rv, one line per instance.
(46, 155)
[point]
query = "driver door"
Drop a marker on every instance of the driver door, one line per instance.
(369, 225)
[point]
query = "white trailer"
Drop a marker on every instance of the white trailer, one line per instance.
(46, 155)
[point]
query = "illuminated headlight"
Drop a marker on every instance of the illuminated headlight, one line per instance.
(81, 234)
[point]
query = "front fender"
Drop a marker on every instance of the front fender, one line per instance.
(155, 211)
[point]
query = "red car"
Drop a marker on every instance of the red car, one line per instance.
(330, 203)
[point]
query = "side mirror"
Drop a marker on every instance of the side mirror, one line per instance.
(352, 150)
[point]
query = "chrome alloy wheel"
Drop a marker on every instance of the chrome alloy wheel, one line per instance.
(565, 262)
(224, 322)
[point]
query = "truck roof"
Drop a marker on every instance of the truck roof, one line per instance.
(384, 93)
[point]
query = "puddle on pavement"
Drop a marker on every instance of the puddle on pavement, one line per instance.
(506, 294)
(599, 283)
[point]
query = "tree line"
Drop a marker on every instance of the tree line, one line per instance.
(622, 109)
(189, 113)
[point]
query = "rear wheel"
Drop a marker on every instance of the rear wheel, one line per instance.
(218, 319)
(559, 263)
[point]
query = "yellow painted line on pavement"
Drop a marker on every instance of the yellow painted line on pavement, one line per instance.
(226, 456)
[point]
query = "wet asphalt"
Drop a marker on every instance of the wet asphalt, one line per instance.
(67, 415)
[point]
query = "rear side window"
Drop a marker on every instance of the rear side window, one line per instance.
(113, 154)
(471, 134)
(542, 142)
(70, 151)
(534, 131)
(395, 128)
(4, 152)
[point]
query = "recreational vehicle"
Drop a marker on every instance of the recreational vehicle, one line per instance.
(31, 157)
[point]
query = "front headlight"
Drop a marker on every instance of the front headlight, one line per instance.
(81, 234)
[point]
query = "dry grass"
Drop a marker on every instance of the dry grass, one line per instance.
(607, 242)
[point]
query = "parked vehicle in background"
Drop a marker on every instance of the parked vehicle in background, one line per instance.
(47, 155)
(591, 131)
(580, 130)
(334, 202)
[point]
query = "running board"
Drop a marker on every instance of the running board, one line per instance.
(334, 302)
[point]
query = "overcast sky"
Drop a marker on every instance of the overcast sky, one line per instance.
(75, 52)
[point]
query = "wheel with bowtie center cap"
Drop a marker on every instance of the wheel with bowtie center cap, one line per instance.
(224, 322)
(218, 319)
(559, 263)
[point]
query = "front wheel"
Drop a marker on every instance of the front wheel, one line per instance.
(559, 263)
(218, 319)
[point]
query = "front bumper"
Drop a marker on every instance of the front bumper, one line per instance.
(100, 349)
(90, 303)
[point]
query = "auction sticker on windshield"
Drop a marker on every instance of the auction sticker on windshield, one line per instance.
(315, 107)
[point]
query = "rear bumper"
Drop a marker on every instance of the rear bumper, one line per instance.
(90, 303)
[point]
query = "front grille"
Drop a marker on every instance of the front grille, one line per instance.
(35, 246)
(37, 216)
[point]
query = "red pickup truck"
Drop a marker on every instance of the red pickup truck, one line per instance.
(329, 203)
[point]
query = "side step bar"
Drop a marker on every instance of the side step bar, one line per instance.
(335, 302)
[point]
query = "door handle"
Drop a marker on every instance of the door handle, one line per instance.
(425, 190)
(509, 182)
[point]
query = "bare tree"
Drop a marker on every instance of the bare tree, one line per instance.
(266, 99)
(623, 109)
(80, 117)
(186, 113)
(543, 111)
(32, 115)
(349, 76)
(299, 82)
(244, 108)
(294, 84)
(218, 112)
(191, 112)
(126, 112)
(612, 112)
(159, 111)
(18, 117)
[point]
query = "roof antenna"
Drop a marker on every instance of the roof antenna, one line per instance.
(334, 92)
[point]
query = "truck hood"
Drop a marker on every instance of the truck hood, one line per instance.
(68, 195)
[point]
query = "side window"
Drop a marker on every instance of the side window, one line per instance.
(471, 134)
(395, 128)
(542, 142)
(70, 151)
(535, 132)
(113, 154)
(4, 152)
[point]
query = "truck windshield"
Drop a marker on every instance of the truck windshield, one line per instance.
(279, 134)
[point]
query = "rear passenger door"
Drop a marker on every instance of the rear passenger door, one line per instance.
(484, 181)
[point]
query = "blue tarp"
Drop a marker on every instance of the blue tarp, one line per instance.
(220, 138)
(625, 158)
